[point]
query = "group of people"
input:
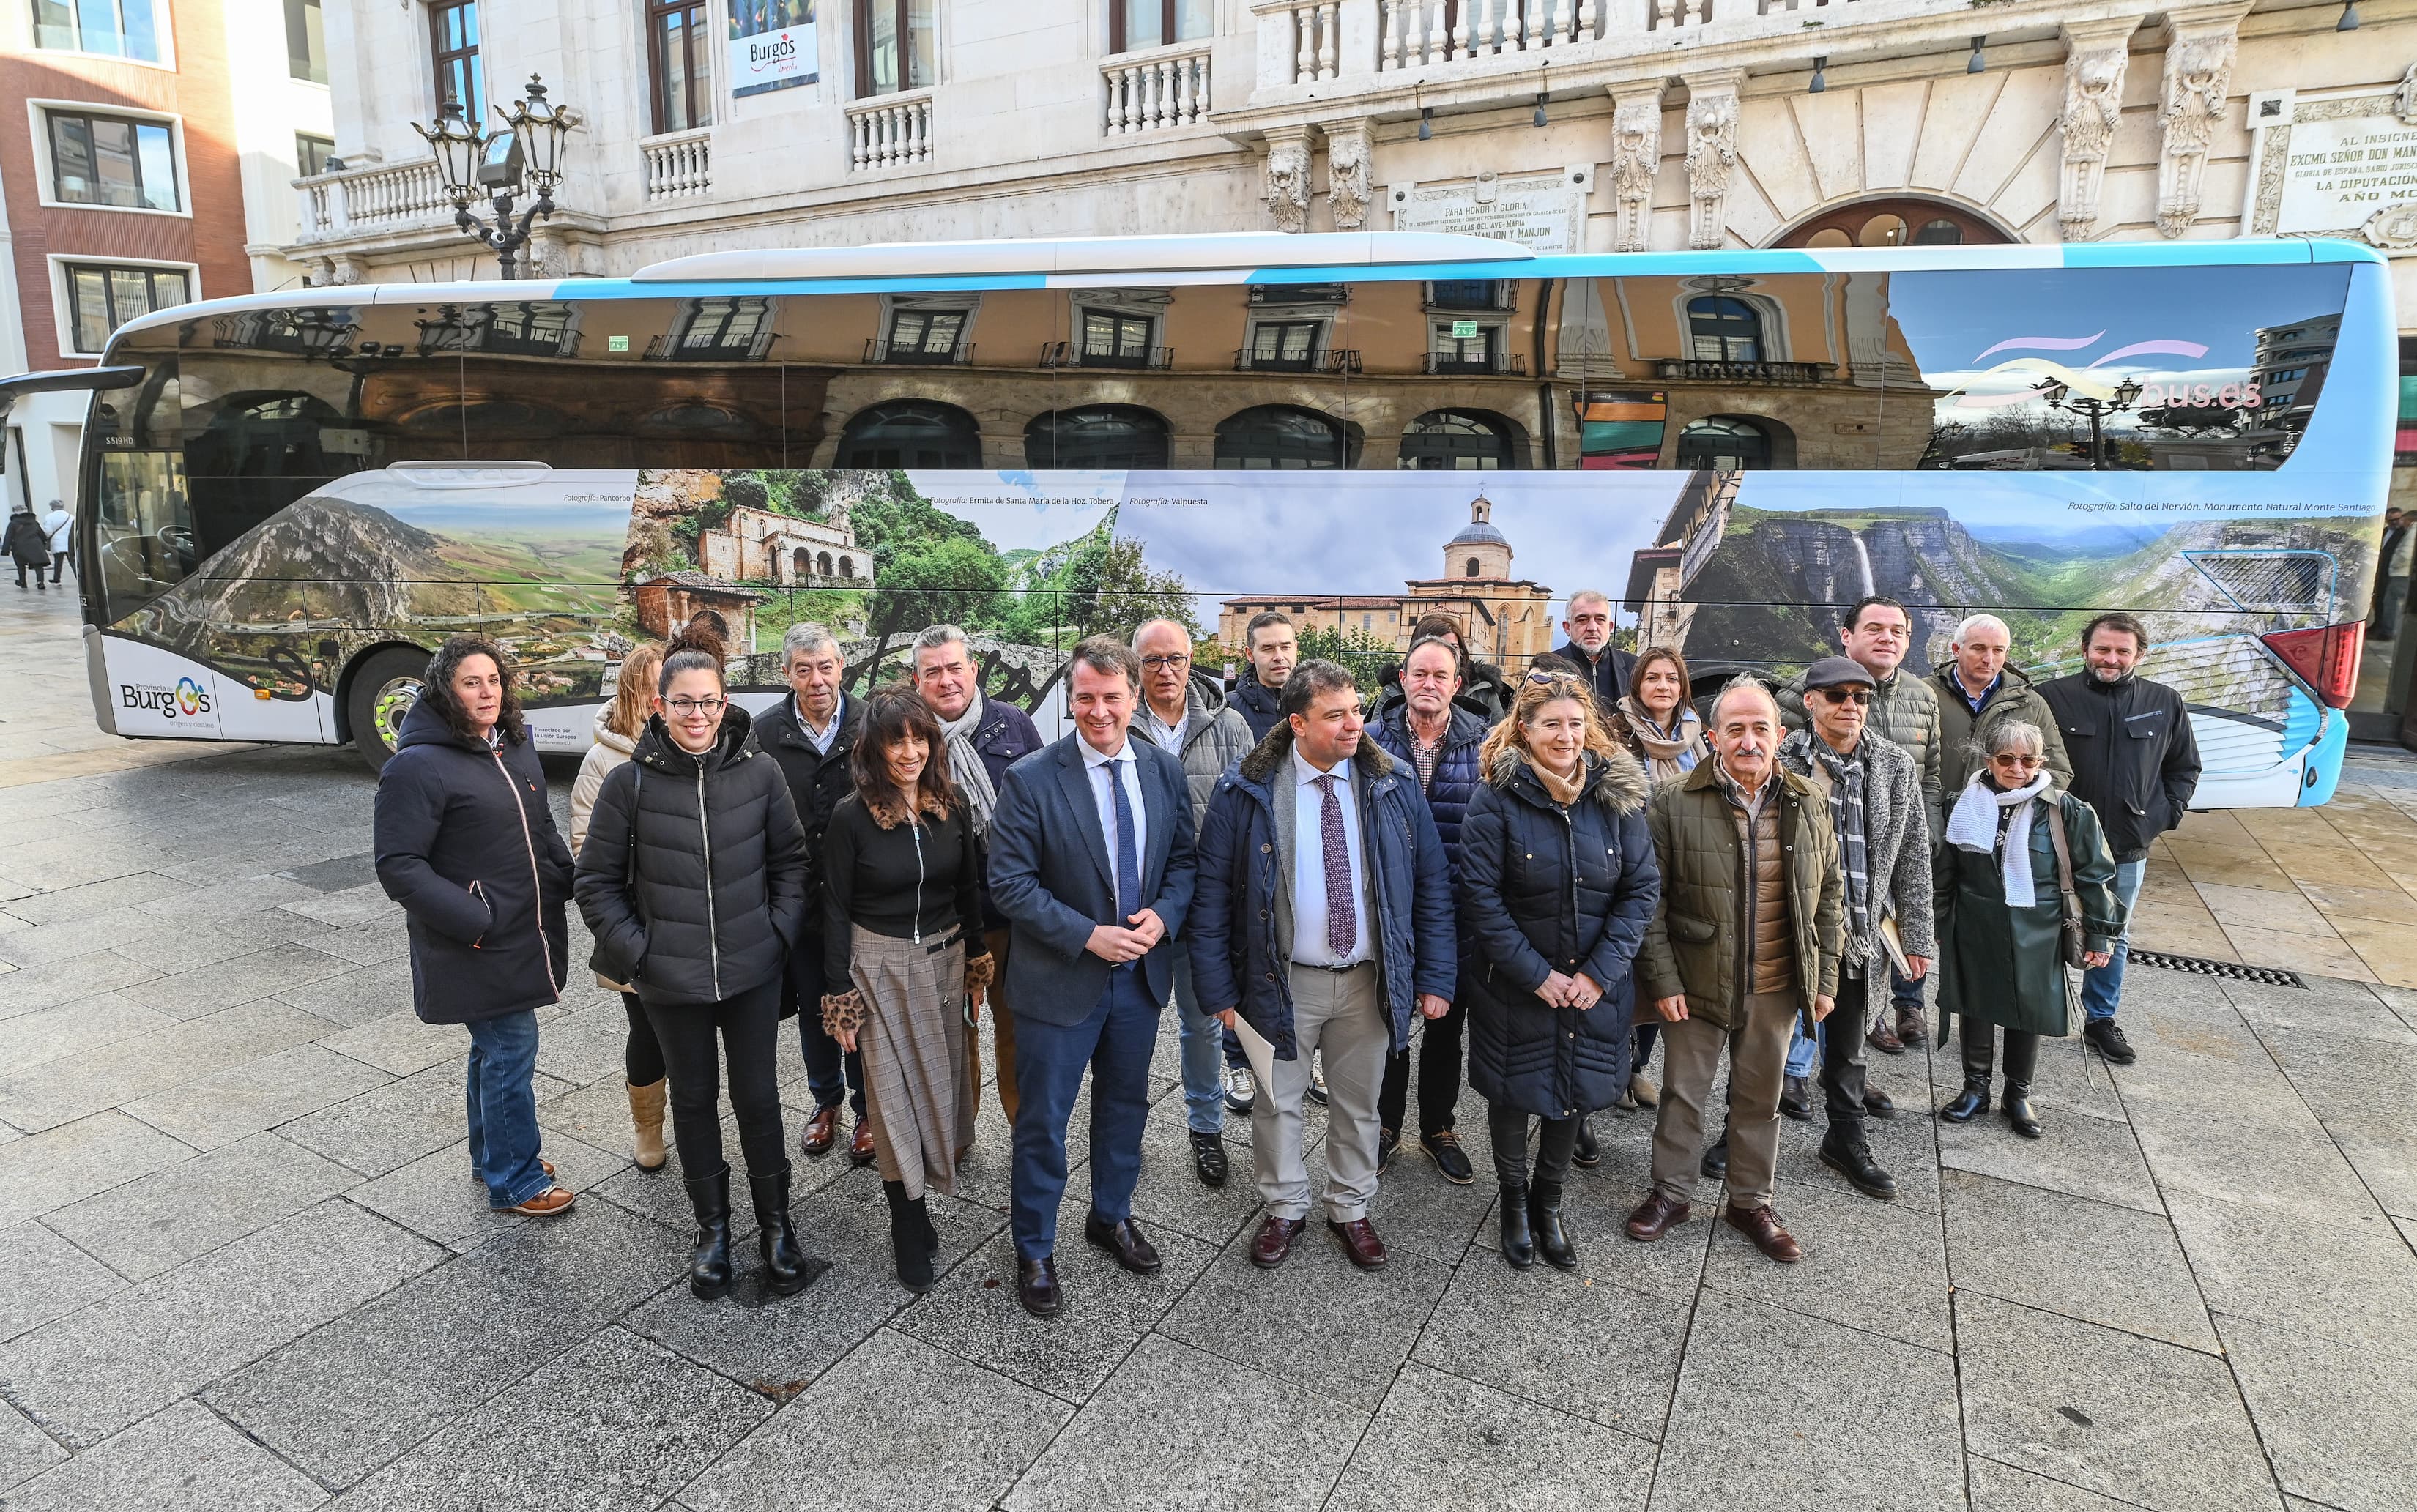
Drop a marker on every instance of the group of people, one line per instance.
(1552, 870)
(39, 544)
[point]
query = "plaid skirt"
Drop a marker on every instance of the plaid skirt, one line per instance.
(918, 1097)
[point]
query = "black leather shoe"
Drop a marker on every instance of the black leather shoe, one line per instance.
(1545, 1222)
(1796, 1100)
(1877, 1103)
(1036, 1286)
(1589, 1154)
(2018, 1109)
(708, 1268)
(2107, 1035)
(1123, 1240)
(1388, 1145)
(1518, 1242)
(1715, 1163)
(1208, 1157)
(1443, 1148)
(1966, 1105)
(1854, 1162)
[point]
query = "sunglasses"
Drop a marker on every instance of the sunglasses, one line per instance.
(1846, 695)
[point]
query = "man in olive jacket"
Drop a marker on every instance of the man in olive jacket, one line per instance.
(1736, 968)
(1976, 690)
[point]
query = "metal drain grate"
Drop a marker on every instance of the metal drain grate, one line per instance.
(2197, 965)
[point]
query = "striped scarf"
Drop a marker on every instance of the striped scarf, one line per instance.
(1846, 807)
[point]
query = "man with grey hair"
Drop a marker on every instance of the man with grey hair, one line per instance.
(1183, 713)
(810, 735)
(1743, 947)
(1605, 667)
(985, 736)
(1977, 688)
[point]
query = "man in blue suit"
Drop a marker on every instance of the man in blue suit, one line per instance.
(1090, 860)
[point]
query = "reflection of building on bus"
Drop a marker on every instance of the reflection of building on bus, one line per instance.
(759, 546)
(1510, 619)
(2289, 368)
(1660, 574)
(668, 600)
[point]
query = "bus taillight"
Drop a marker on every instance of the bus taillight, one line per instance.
(2326, 656)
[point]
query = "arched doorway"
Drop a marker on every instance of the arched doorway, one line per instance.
(1099, 436)
(910, 433)
(1735, 443)
(1895, 222)
(1446, 440)
(1285, 436)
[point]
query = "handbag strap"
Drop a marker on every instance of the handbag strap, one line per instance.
(2068, 899)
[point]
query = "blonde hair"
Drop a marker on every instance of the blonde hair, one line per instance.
(1512, 734)
(634, 692)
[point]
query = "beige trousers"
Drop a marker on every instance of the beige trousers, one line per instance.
(1691, 1058)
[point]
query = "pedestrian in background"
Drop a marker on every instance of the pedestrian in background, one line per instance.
(59, 526)
(901, 912)
(1557, 883)
(2003, 916)
(811, 735)
(466, 842)
(2393, 563)
(25, 544)
(693, 883)
(1184, 714)
(1272, 647)
(618, 725)
(2136, 763)
(1606, 669)
(1484, 690)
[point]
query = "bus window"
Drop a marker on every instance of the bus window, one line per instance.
(2167, 369)
(144, 531)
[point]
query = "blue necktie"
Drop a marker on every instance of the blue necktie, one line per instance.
(1128, 854)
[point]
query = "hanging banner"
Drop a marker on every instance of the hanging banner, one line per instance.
(771, 46)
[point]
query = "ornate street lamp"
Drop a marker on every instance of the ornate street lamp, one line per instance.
(2059, 395)
(526, 155)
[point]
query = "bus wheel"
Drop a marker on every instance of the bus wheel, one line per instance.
(383, 691)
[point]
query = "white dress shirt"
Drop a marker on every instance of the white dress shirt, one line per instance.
(822, 737)
(1126, 767)
(1309, 900)
(1167, 737)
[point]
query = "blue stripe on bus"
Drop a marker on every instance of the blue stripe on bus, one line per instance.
(2325, 760)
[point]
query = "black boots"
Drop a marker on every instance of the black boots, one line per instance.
(1979, 1047)
(786, 1269)
(1850, 1157)
(916, 1243)
(1545, 1222)
(1518, 1245)
(708, 1269)
(2022, 1058)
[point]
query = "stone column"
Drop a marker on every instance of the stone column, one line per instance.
(2200, 50)
(1711, 152)
(2097, 55)
(1636, 157)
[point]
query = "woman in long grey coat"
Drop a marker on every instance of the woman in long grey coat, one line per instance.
(2000, 965)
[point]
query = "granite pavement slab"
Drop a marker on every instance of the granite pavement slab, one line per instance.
(2340, 1420)
(226, 1105)
(1565, 1340)
(2352, 1279)
(58, 1166)
(2095, 1158)
(107, 1076)
(25, 1451)
(1848, 1239)
(48, 1277)
(185, 1458)
(1442, 1440)
(2093, 1262)
(156, 1223)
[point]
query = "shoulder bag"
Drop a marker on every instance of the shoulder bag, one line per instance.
(2071, 935)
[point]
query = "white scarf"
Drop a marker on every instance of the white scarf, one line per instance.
(1973, 827)
(966, 764)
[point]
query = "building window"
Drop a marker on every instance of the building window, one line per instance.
(454, 24)
(1721, 329)
(114, 28)
(1895, 223)
(1468, 440)
(893, 45)
(105, 159)
(530, 328)
(306, 41)
(676, 40)
(1102, 437)
(1463, 346)
(311, 154)
(734, 328)
(1138, 23)
(1726, 444)
(1281, 436)
(1112, 338)
(918, 334)
(1470, 294)
(1283, 345)
(100, 298)
(910, 433)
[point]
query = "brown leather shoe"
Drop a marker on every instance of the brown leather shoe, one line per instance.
(1274, 1241)
(1360, 1241)
(1655, 1216)
(860, 1149)
(1883, 1038)
(548, 1204)
(1908, 1027)
(821, 1131)
(1036, 1287)
(1761, 1225)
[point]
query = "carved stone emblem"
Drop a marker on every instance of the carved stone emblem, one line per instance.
(2392, 228)
(1288, 183)
(2096, 62)
(1635, 156)
(1346, 175)
(2198, 78)
(1711, 152)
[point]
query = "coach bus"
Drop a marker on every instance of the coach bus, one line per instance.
(288, 499)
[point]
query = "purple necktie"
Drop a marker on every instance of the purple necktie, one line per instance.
(1342, 933)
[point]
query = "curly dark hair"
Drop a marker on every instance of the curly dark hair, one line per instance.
(890, 715)
(438, 688)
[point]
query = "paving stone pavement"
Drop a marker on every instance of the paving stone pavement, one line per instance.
(244, 1268)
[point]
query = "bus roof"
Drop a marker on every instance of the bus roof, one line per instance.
(1245, 257)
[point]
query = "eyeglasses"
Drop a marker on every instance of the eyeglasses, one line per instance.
(1846, 695)
(1165, 663)
(685, 708)
(2010, 759)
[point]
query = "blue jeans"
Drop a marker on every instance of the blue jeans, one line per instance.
(830, 1073)
(1113, 1043)
(504, 1139)
(1203, 1040)
(1803, 1050)
(2102, 985)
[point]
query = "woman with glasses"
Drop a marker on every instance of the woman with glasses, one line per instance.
(693, 882)
(900, 890)
(2000, 915)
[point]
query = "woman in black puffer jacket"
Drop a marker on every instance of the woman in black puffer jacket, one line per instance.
(466, 844)
(1557, 882)
(699, 916)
